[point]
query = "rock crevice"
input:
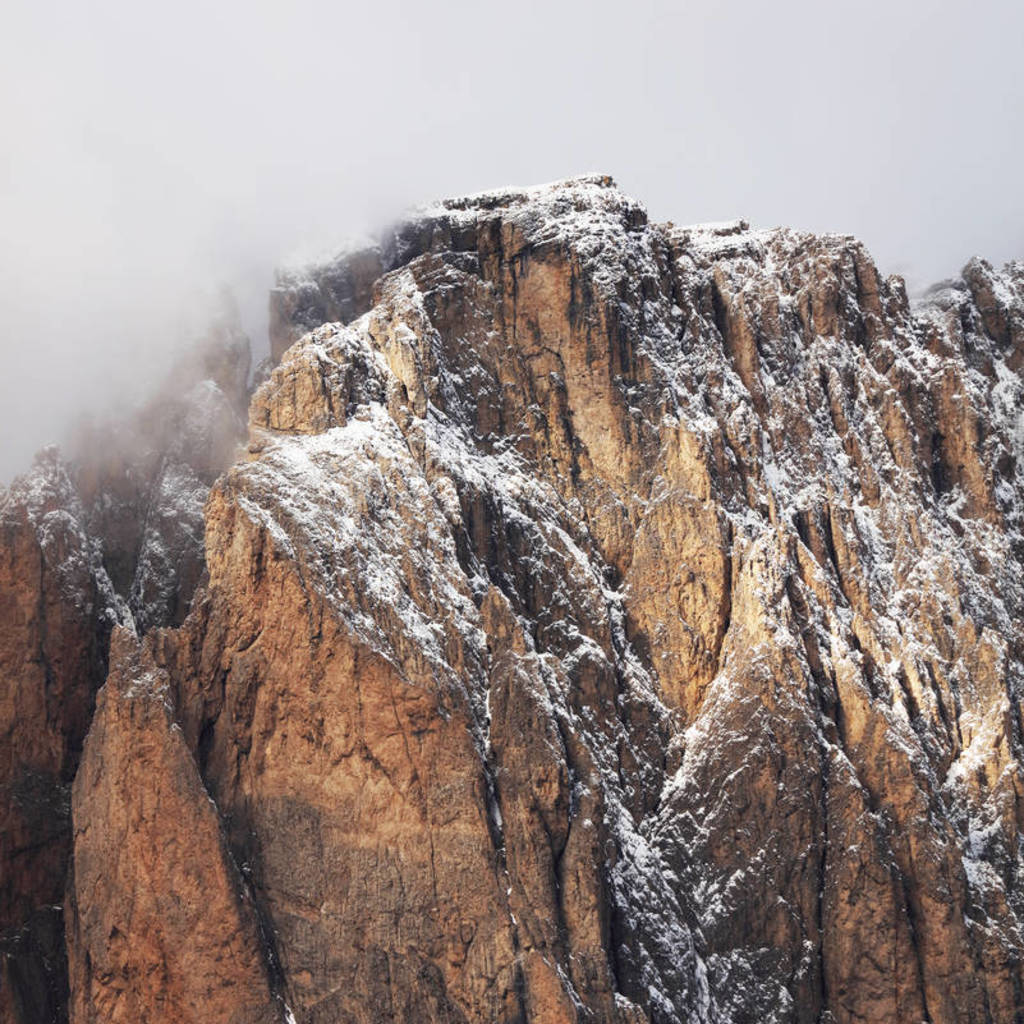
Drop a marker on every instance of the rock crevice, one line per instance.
(608, 622)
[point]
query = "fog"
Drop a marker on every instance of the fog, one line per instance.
(149, 153)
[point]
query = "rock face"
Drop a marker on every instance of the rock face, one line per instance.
(57, 607)
(610, 622)
(157, 919)
(113, 534)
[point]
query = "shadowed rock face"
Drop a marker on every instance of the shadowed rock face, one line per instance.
(610, 622)
(56, 611)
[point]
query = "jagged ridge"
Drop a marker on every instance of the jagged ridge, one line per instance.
(613, 622)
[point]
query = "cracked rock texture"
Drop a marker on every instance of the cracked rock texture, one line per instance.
(112, 534)
(156, 932)
(608, 622)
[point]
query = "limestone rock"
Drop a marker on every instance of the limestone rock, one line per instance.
(736, 540)
(113, 533)
(159, 924)
(57, 607)
(607, 622)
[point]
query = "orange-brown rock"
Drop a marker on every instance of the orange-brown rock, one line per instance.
(111, 534)
(782, 485)
(160, 927)
(609, 622)
(56, 611)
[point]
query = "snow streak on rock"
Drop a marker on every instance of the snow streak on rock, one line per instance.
(712, 543)
(611, 622)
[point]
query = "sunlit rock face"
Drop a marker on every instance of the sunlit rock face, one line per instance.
(608, 622)
(156, 927)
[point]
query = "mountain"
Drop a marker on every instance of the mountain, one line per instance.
(606, 621)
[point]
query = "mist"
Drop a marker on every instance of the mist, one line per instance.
(149, 155)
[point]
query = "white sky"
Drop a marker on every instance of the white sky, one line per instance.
(147, 150)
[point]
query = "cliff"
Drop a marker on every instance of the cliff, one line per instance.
(607, 622)
(110, 534)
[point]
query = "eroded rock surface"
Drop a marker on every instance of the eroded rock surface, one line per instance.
(57, 608)
(112, 533)
(665, 583)
(610, 622)
(159, 925)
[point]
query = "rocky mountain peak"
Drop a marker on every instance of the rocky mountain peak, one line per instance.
(608, 621)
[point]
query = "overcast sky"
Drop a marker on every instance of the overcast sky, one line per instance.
(150, 150)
